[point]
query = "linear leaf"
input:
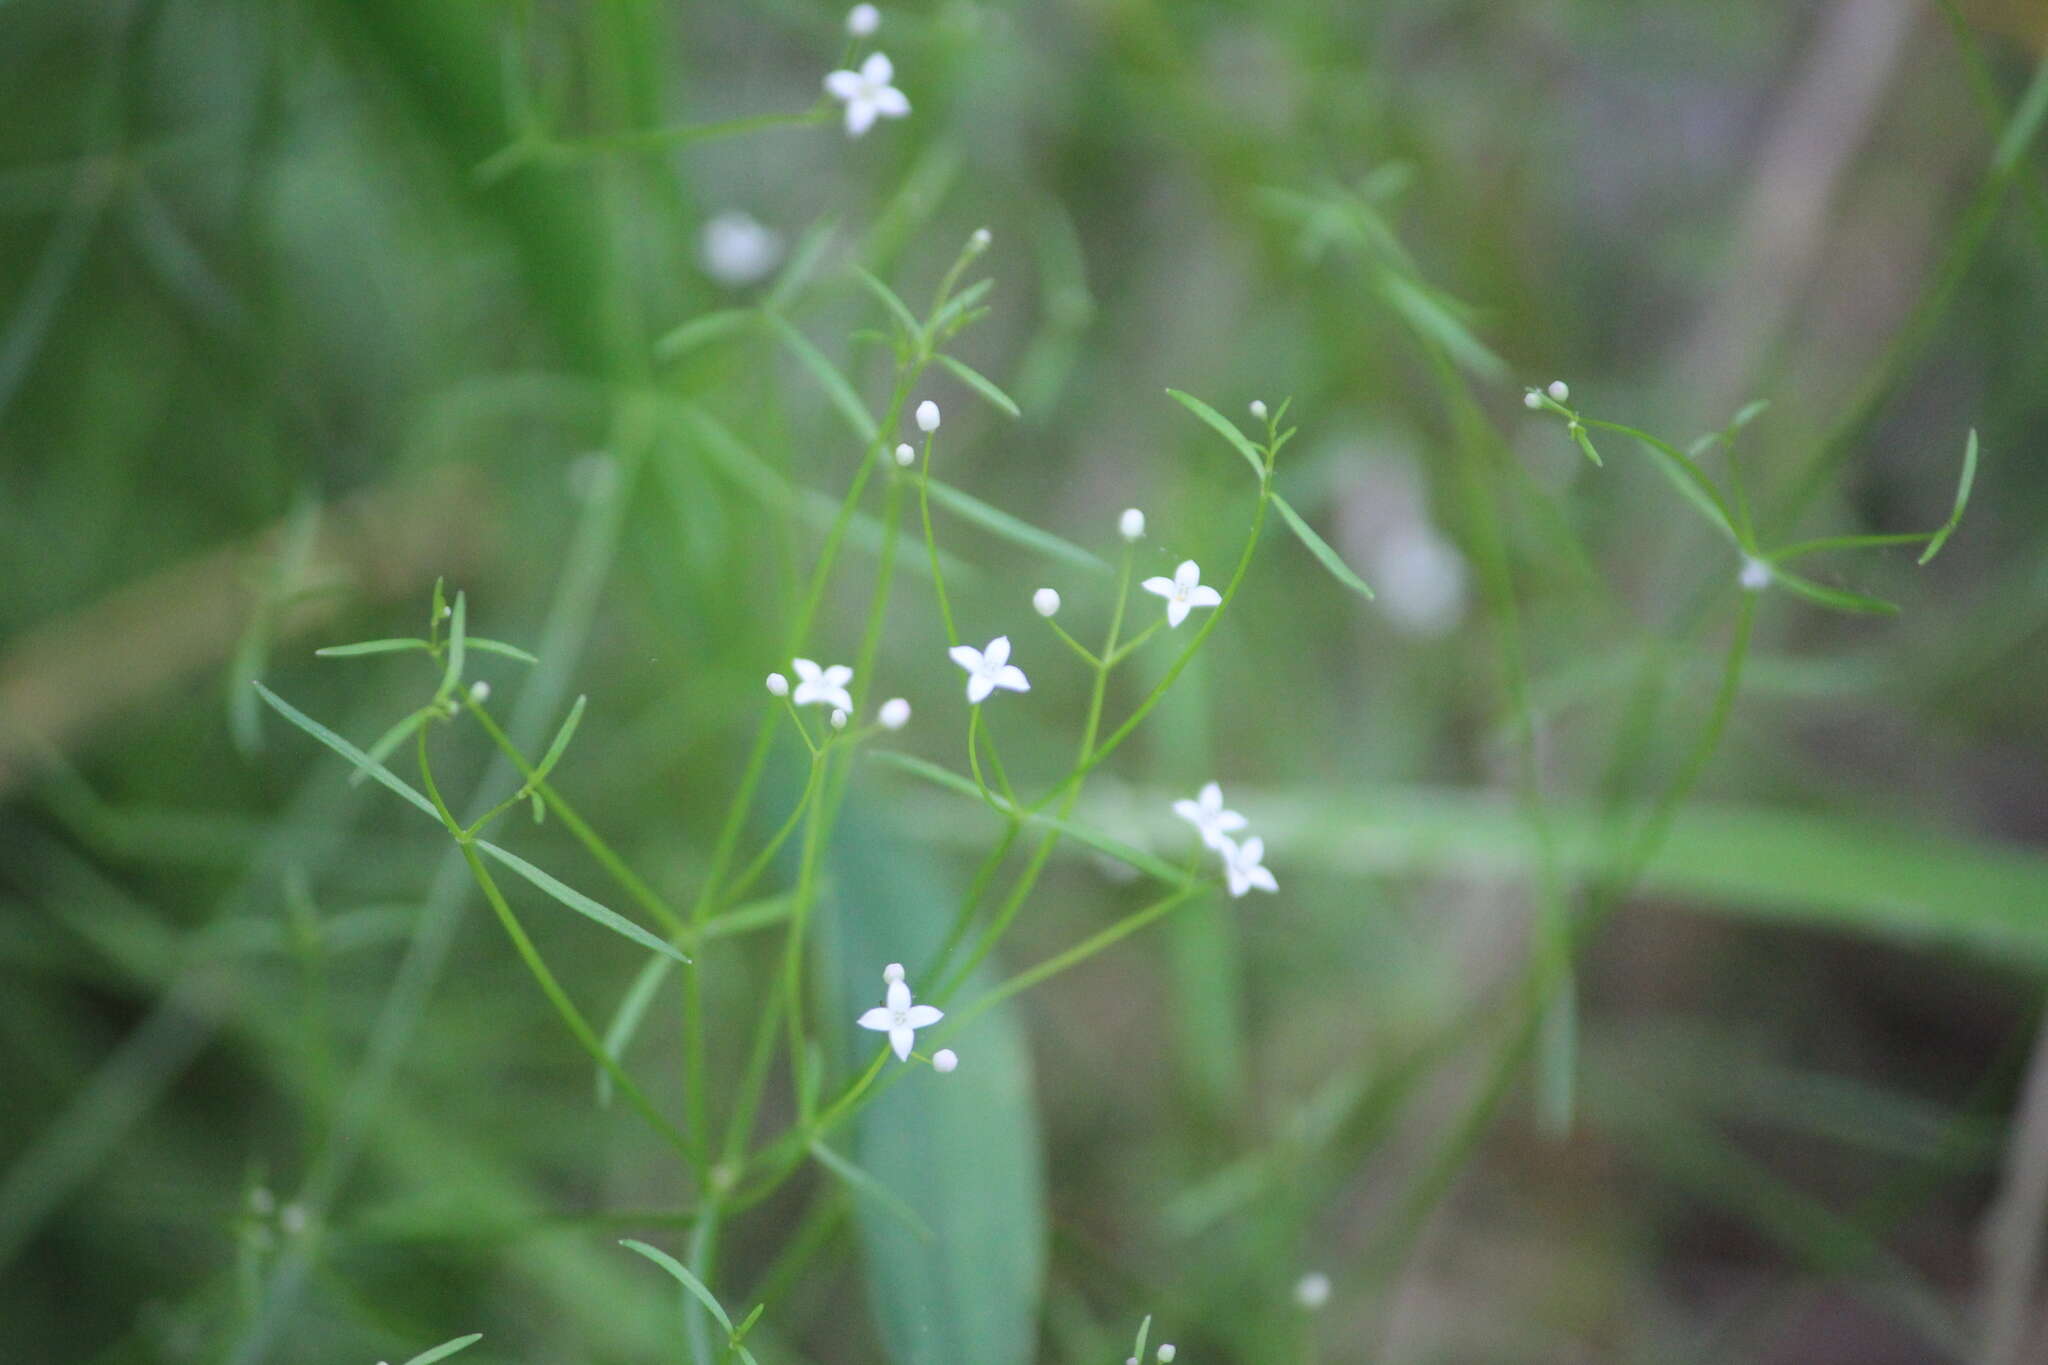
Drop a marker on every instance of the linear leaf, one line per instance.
(803, 262)
(446, 1349)
(1955, 518)
(580, 903)
(458, 623)
(500, 647)
(347, 750)
(982, 384)
(560, 745)
(389, 646)
(866, 1185)
(701, 331)
(957, 308)
(684, 1278)
(1222, 427)
(1837, 598)
(898, 309)
(837, 389)
(384, 745)
(618, 1035)
(1320, 548)
(1019, 532)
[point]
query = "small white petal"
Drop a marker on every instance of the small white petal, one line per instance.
(1262, 878)
(945, 1061)
(1012, 677)
(890, 102)
(898, 996)
(806, 671)
(1161, 586)
(1204, 596)
(877, 69)
(1176, 612)
(1212, 796)
(842, 85)
(1187, 575)
(967, 656)
(1188, 811)
(901, 1039)
(923, 1016)
(997, 654)
(879, 1019)
(860, 116)
(978, 688)
(1253, 851)
(838, 675)
(1227, 820)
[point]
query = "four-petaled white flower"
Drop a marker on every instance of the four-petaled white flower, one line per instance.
(1209, 817)
(988, 669)
(1183, 592)
(867, 94)
(898, 1017)
(1242, 865)
(821, 685)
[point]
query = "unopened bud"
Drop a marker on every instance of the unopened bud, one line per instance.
(1131, 525)
(927, 416)
(1045, 601)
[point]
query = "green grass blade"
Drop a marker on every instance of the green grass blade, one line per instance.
(1320, 548)
(388, 646)
(625, 1024)
(1955, 518)
(560, 745)
(1685, 475)
(684, 1278)
(1430, 315)
(446, 1349)
(838, 391)
(355, 756)
(458, 623)
(580, 903)
(702, 331)
(500, 647)
(872, 1189)
(898, 309)
(944, 321)
(1837, 598)
(982, 384)
(1014, 529)
(1222, 427)
(387, 743)
(803, 263)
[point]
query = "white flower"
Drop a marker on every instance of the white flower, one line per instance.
(1241, 865)
(479, 691)
(820, 685)
(1166, 1353)
(1045, 601)
(927, 416)
(1755, 575)
(898, 1017)
(1131, 525)
(1209, 817)
(945, 1061)
(905, 456)
(988, 669)
(838, 719)
(1559, 390)
(778, 686)
(1312, 1290)
(863, 20)
(1183, 592)
(867, 94)
(737, 250)
(894, 714)
(1258, 411)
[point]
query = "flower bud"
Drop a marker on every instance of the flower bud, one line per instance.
(892, 973)
(1312, 1290)
(1755, 575)
(945, 1060)
(778, 686)
(1045, 601)
(1167, 1353)
(1559, 390)
(1131, 525)
(1259, 409)
(894, 714)
(927, 416)
(905, 456)
(863, 20)
(479, 691)
(838, 719)
(1532, 400)
(980, 240)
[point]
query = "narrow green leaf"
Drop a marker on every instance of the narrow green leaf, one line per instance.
(457, 628)
(1955, 518)
(1013, 529)
(347, 750)
(1320, 548)
(1586, 445)
(446, 1349)
(560, 745)
(982, 384)
(739, 1333)
(898, 309)
(743, 919)
(701, 331)
(500, 647)
(619, 1034)
(1144, 1336)
(1837, 598)
(1686, 476)
(1808, 547)
(953, 316)
(1435, 317)
(803, 263)
(385, 744)
(1224, 428)
(837, 389)
(580, 903)
(867, 1186)
(684, 1278)
(390, 646)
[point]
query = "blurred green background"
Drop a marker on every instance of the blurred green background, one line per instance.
(275, 353)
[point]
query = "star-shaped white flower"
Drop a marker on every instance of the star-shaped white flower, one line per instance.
(867, 94)
(988, 669)
(1183, 592)
(816, 685)
(1242, 865)
(1208, 817)
(899, 1018)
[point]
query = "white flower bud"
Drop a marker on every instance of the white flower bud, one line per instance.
(1167, 1353)
(1259, 409)
(479, 691)
(838, 719)
(1532, 400)
(945, 1060)
(863, 20)
(778, 686)
(927, 416)
(1755, 575)
(1131, 525)
(1312, 1290)
(292, 1218)
(262, 1202)
(1045, 601)
(980, 240)
(905, 456)
(892, 973)
(894, 714)
(1559, 390)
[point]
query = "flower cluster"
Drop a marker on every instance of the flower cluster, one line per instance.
(898, 1017)
(1243, 863)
